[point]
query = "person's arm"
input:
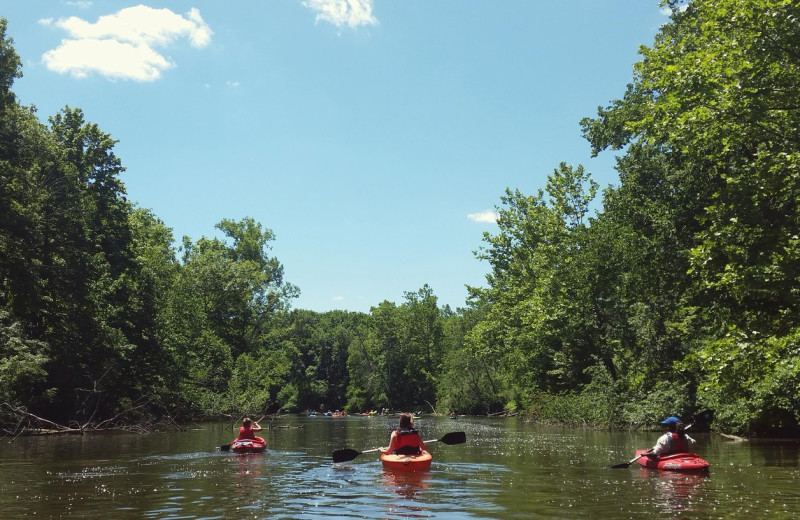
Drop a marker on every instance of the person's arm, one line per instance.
(662, 445)
(256, 427)
(392, 443)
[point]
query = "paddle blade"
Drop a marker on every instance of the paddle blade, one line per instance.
(345, 455)
(454, 438)
(704, 418)
(225, 447)
(627, 464)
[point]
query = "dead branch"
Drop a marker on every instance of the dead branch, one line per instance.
(25, 415)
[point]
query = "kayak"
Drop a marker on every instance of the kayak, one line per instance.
(257, 445)
(674, 462)
(407, 462)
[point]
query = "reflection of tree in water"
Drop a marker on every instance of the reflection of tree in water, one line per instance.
(408, 485)
(778, 453)
(674, 491)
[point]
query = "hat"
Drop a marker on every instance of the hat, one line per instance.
(671, 420)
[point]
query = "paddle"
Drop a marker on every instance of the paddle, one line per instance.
(347, 454)
(627, 464)
(271, 410)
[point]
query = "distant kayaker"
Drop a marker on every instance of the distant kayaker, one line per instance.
(405, 440)
(248, 429)
(674, 440)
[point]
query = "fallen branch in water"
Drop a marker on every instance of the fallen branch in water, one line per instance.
(27, 423)
(31, 424)
(734, 438)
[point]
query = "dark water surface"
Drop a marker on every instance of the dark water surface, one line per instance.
(507, 469)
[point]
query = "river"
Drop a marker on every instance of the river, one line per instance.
(507, 469)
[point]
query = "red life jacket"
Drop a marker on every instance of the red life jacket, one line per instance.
(679, 444)
(246, 433)
(408, 442)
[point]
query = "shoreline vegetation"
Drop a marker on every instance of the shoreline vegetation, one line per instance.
(31, 425)
(681, 294)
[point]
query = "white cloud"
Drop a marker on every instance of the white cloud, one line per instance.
(483, 216)
(667, 10)
(343, 12)
(232, 84)
(113, 59)
(122, 45)
(338, 298)
(80, 4)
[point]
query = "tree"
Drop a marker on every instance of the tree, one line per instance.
(22, 362)
(717, 96)
(536, 289)
(471, 382)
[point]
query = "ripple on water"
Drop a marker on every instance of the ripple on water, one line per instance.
(507, 469)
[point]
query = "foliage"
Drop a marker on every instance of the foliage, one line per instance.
(21, 362)
(535, 287)
(716, 99)
(680, 294)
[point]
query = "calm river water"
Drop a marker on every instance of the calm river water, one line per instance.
(507, 469)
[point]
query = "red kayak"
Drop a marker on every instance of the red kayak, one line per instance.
(674, 461)
(407, 462)
(257, 445)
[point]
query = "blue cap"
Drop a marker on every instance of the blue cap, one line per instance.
(671, 420)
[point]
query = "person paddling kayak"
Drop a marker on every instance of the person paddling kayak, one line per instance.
(405, 440)
(674, 440)
(248, 429)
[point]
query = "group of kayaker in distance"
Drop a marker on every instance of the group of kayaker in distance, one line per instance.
(405, 442)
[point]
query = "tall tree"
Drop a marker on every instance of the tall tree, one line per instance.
(534, 288)
(717, 94)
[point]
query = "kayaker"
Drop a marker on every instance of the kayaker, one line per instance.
(674, 440)
(248, 429)
(405, 440)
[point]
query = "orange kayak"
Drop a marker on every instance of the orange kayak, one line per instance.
(407, 462)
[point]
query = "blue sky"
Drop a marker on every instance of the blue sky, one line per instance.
(374, 137)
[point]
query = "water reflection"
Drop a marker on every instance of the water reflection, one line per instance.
(508, 469)
(673, 491)
(407, 484)
(248, 474)
(409, 487)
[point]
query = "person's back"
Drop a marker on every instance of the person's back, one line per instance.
(248, 429)
(405, 440)
(408, 443)
(675, 440)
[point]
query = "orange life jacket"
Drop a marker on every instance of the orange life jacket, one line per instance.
(407, 442)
